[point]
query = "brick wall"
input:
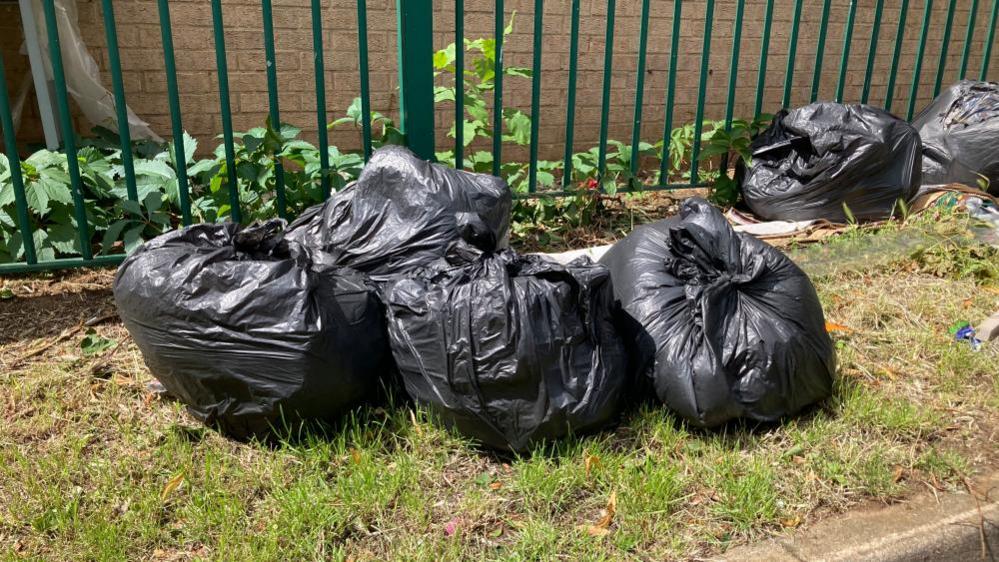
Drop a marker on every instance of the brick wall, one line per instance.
(142, 61)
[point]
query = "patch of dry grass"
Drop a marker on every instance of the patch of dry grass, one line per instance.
(93, 466)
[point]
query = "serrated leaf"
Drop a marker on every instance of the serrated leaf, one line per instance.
(64, 238)
(157, 168)
(37, 197)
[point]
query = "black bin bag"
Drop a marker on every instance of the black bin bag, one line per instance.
(510, 350)
(725, 325)
(960, 134)
(814, 160)
(404, 213)
(236, 324)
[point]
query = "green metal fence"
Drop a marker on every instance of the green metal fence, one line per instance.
(416, 83)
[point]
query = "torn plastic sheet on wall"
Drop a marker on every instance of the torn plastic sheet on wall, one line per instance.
(83, 77)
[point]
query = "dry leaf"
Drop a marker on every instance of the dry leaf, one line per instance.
(495, 485)
(416, 426)
(966, 303)
(791, 522)
(590, 462)
(355, 455)
(172, 486)
(834, 327)
(898, 474)
(602, 526)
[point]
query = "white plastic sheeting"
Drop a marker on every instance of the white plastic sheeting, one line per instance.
(83, 78)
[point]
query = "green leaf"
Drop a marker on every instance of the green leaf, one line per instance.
(38, 198)
(63, 237)
(133, 238)
(132, 207)
(519, 126)
(153, 201)
(156, 168)
(442, 93)
(444, 58)
(112, 234)
(517, 71)
(93, 343)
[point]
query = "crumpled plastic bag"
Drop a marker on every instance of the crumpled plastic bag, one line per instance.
(815, 160)
(237, 324)
(960, 134)
(404, 213)
(510, 350)
(725, 325)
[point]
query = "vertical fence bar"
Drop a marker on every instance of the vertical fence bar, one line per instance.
(927, 13)
(733, 72)
(670, 93)
(223, 72)
(636, 128)
(761, 78)
(893, 72)
(173, 98)
(498, 91)
(362, 69)
(990, 38)
(417, 86)
(532, 174)
(820, 49)
(17, 181)
(319, 66)
(121, 110)
(459, 84)
(872, 51)
(570, 112)
(942, 64)
(844, 62)
(791, 50)
(968, 35)
(273, 107)
(66, 124)
(695, 150)
(605, 98)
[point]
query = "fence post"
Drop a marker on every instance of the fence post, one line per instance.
(416, 75)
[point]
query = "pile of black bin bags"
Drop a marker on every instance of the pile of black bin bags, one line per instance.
(830, 161)
(407, 272)
(960, 133)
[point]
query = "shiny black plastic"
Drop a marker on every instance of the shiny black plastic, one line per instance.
(815, 160)
(403, 213)
(724, 324)
(960, 134)
(237, 325)
(510, 350)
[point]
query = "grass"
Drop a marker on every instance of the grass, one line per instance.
(93, 466)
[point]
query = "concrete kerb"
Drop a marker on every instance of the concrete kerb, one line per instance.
(941, 527)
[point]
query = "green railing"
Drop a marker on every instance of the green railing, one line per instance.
(416, 84)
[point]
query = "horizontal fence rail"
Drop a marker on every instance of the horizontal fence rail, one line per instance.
(85, 221)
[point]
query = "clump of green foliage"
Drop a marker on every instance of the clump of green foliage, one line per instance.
(117, 223)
